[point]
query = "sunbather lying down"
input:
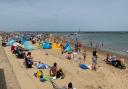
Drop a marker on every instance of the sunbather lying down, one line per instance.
(40, 65)
(114, 61)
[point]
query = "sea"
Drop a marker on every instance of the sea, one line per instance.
(116, 42)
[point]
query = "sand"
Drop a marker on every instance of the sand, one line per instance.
(106, 76)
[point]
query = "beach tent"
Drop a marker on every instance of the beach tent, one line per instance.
(27, 45)
(46, 45)
(10, 42)
(67, 44)
(22, 40)
(26, 37)
(55, 46)
(67, 47)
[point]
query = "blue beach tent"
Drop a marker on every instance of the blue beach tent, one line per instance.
(10, 42)
(67, 47)
(27, 45)
(46, 45)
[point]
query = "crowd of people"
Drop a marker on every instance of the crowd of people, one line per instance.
(113, 60)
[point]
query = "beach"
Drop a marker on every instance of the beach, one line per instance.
(106, 76)
(63, 44)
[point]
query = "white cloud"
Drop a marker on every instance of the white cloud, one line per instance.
(66, 14)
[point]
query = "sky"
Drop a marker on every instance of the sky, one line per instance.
(64, 15)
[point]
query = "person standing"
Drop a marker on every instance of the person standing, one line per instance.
(84, 55)
(62, 48)
(94, 59)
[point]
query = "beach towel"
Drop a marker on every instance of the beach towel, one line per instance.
(42, 66)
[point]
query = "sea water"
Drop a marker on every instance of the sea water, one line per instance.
(112, 41)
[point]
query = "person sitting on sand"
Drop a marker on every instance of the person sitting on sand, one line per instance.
(114, 61)
(19, 53)
(68, 56)
(118, 63)
(60, 74)
(28, 60)
(39, 74)
(13, 49)
(53, 70)
(108, 59)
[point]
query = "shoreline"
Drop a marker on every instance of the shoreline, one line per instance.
(100, 51)
(104, 52)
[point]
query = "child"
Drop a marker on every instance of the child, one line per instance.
(39, 74)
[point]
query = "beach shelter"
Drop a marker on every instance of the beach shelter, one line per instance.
(46, 45)
(67, 47)
(10, 42)
(27, 45)
(22, 40)
(56, 46)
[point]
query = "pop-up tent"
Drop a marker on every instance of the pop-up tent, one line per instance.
(27, 45)
(55, 46)
(46, 45)
(67, 47)
(10, 42)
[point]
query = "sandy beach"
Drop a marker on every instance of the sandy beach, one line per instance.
(63, 44)
(106, 76)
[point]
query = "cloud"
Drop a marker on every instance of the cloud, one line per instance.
(63, 14)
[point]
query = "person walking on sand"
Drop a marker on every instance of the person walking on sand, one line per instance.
(84, 55)
(94, 59)
(62, 48)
